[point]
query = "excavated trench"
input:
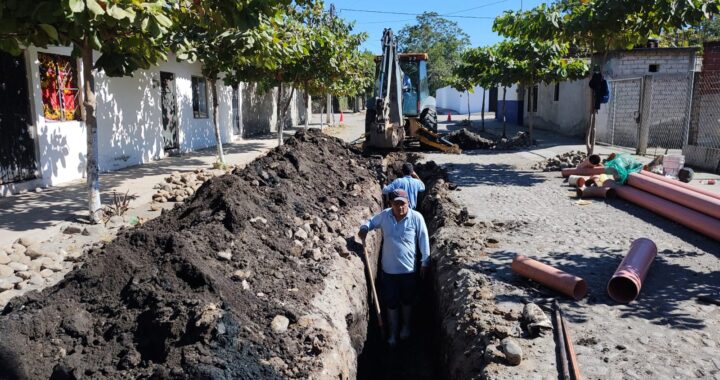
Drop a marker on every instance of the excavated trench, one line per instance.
(258, 275)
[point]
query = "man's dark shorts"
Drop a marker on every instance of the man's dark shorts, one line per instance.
(399, 289)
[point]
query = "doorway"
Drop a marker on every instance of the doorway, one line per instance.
(169, 112)
(17, 145)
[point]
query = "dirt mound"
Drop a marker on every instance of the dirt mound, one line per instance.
(468, 140)
(565, 160)
(253, 277)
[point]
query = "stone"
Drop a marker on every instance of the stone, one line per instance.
(13, 279)
(240, 275)
(18, 267)
(94, 231)
(53, 265)
(8, 295)
(38, 189)
(71, 229)
(245, 285)
(25, 241)
(25, 285)
(116, 221)
(78, 324)
(74, 256)
(179, 198)
(333, 208)
(301, 234)
(46, 273)
(225, 255)
(6, 285)
(35, 251)
(512, 351)
(4, 259)
(37, 279)
(20, 259)
(25, 275)
(297, 248)
(493, 354)
(279, 324)
(6, 271)
(317, 254)
(258, 219)
(18, 249)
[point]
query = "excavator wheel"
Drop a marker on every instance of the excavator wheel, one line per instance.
(428, 119)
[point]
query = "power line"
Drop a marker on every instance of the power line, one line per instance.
(410, 14)
(385, 22)
(478, 7)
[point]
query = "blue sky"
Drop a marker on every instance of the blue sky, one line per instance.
(479, 29)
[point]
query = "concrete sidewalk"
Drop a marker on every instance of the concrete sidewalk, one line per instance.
(40, 214)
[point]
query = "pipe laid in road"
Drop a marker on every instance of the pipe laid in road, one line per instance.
(625, 284)
(681, 184)
(583, 171)
(553, 278)
(692, 219)
(688, 198)
(596, 192)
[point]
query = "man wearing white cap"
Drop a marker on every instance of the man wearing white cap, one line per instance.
(402, 228)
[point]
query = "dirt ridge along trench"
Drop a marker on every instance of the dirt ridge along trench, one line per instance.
(193, 293)
(468, 317)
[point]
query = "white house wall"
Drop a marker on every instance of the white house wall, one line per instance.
(129, 120)
(450, 98)
(568, 115)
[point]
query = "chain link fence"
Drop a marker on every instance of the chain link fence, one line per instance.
(649, 113)
(705, 122)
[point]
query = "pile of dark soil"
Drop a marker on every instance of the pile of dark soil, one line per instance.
(565, 160)
(223, 286)
(468, 140)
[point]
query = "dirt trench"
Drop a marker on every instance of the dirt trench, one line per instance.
(257, 276)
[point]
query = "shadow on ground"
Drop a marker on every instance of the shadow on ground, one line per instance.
(32, 210)
(474, 174)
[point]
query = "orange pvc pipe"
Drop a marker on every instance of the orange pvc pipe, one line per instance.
(596, 192)
(583, 171)
(692, 219)
(681, 184)
(625, 284)
(688, 198)
(553, 278)
(577, 180)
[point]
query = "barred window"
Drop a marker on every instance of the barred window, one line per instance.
(199, 98)
(58, 83)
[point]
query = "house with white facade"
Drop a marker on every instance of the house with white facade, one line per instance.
(460, 101)
(164, 110)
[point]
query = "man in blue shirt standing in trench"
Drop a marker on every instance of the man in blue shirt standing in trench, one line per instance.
(410, 182)
(402, 228)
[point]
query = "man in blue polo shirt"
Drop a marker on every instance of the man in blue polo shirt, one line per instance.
(410, 182)
(402, 228)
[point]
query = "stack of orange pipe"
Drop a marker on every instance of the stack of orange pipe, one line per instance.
(667, 203)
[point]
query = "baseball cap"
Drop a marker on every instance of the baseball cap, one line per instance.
(399, 195)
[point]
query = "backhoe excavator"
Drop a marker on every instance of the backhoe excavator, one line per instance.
(402, 112)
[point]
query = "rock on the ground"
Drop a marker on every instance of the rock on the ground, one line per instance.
(6, 270)
(280, 324)
(512, 351)
(26, 241)
(224, 255)
(71, 229)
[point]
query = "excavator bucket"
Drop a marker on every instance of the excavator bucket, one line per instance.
(392, 136)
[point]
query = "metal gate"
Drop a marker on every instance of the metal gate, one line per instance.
(649, 113)
(17, 146)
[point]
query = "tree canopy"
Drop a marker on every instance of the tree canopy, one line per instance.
(442, 39)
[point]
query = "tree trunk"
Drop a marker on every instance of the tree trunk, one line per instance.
(468, 92)
(93, 175)
(308, 105)
(504, 116)
(530, 113)
(590, 133)
(482, 111)
(216, 116)
(287, 104)
(279, 115)
(328, 106)
(322, 115)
